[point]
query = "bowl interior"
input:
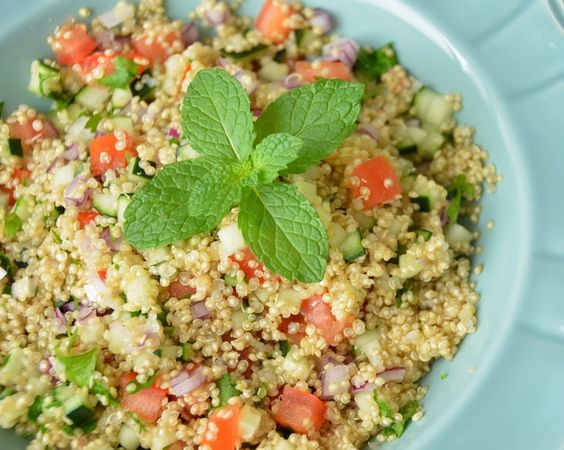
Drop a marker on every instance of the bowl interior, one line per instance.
(438, 60)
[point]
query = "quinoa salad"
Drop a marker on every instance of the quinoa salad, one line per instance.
(229, 232)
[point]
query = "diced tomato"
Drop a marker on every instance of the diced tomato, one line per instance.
(377, 175)
(147, 403)
(19, 176)
(156, 49)
(104, 63)
(250, 265)
(294, 338)
(225, 435)
(102, 274)
(72, 44)
(317, 312)
(272, 20)
(178, 290)
(322, 69)
(104, 155)
(32, 131)
(86, 217)
(295, 406)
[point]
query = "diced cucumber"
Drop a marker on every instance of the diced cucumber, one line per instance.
(351, 247)
(409, 265)
(409, 139)
(368, 343)
(136, 173)
(136, 291)
(123, 202)
(121, 97)
(15, 147)
(432, 142)
(424, 203)
(230, 280)
(336, 234)
(231, 240)
(425, 234)
(366, 404)
(170, 351)
(93, 98)
(457, 234)
(122, 123)
(12, 367)
(63, 175)
(407, 182)
(45, 80)
(185, 152)
(250, 422)
(77, 410)
(273, 71)
(305, 38)
(78, 132)
(186, 353)
(296, 365)
(432, 108)
(106, 203)
(290, 300)
(425, 187)
(128, 438)
(238, 318)
(247, 55)
(24, 208)
(364, 221)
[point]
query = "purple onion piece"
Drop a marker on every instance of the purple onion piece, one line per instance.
(71, 153)
(68, 306)
(222, 62)
(257, 112)
(370, 130)
(54, 163)
(189, 33)
(344, 50)
(85, 313)
(217, 16)
(113, 243)
(185, 382)
(74, 195)
(292, 81)
(393, 374)
(200, 310)
(250, 88)
(173, 132)
(334, 381)
(321, 20)
(364, 387)
(60, 322)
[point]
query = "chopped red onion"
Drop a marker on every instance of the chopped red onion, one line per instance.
(75, 195)
(321, 20)
(370, 130)
(71, 153)
(243, 78)
(344, 50)
(117, 15)
(49, 130)
(200, 310)
(113, 243)
(54, 163)
(60, 321)
(334, 381)
(85, 313)
(292, 81)
(257, 112)
(444, 216)
(393, 374)
(413, 123)
(365, 387)
(222, 62)
(185, 382)
(217, 16)
(173, 132)
(189, 33)
(68, 306)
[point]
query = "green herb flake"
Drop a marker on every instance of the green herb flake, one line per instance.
(443, 376)
(459, 188)
(93, 122)
(80, 368)
(374, 63)
(99, 389)
(425, 234)
(186, 354)
(1, 109)
(12, 224)
(284, 347)
(134, 387)
(383, 406)
(252, 53)
(6, 392)
(125, 71)
(407, 412)
(227, 389)
(36, 408)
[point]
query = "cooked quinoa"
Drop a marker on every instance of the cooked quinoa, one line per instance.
(71, 283)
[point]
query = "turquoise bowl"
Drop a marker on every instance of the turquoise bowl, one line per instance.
(504, 388)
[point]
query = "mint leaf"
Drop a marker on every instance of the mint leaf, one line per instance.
(227, 389)
(322, 115)
(459, 187)
(216, 117)
(99, 389)
(125, 71)
(36, 408)
(80, 368)
(273, 155)
(93, 122)
(284, 231)
(183, 199)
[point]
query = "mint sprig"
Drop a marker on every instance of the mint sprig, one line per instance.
(240, 164)
(80, 368)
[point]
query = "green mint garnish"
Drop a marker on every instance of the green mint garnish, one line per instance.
(456, 190)
(239, 164)
(322, 115)
(99, 389)
(79, 368)
(407, 412)
(93, 122)
(372, 64)
(36, 408)
(134, 387)
(12, 224)
(125, 71)
(227, 389)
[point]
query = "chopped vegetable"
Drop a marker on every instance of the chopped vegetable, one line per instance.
(80, 368)
(272, 20)
(460, 187)
(330, 70)
(86, 217)
(72, 44)
(296, 407)
(147, 403)
(372, 64)
(105, 155)
(156, 48)
(225, 434)
(227, 389)
(380, 178)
